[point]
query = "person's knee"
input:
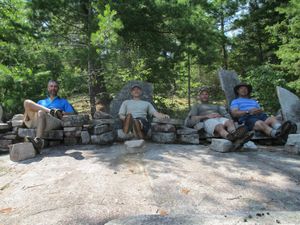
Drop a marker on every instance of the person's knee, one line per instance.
(27, 103)
(219, 127)
(41, 114)
(259, 124)
(229, 123)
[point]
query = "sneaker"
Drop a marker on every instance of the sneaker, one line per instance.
(137, 128)
(238, 143)
(127, 124)
(38, 143)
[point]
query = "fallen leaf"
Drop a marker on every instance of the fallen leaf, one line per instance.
(6, 210)
(163, 212)
(185, 191)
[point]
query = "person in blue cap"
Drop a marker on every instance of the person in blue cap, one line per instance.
(46, 114)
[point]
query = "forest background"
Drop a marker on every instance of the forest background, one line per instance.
(94, 47)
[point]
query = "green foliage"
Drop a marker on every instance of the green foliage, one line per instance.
(264, 80)
(288, 31)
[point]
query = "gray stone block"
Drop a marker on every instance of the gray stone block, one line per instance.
(71, 129)
(298, 128)
(102, 115)
(176, 122)
(156, 127)
(161, 137)
(4, 127)
(70, 141)
(103, 139)
(187, 131)
(54, 135)
(18, 117)
(21, 151)
(9, 137)
(121, 136)
(23, 132)
(75, 120)
(17, 123)
(293, 144)
(189, 138)
(5, 143)
(99, 122)
(220, 145)
(100, 129)
(85, 137)
(72, 133)
(293, 139)
(134, 146)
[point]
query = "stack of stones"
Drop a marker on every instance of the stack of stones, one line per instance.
(102, 131)
(75, 129)
(7, 136)
(9, 132)
(188, 136)
(164, 130)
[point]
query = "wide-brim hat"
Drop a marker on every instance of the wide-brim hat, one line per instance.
(136, 85)
(248, 86)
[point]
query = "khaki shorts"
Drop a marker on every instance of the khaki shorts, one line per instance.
(210, 124)
(52, 123)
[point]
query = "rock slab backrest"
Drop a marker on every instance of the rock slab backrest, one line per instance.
(228, 80)
(124, 94)
(290, 105)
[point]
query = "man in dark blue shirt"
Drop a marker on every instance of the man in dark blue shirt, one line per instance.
(46, 114)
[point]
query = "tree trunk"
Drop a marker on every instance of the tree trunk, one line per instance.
(90, 67)
(224, 50)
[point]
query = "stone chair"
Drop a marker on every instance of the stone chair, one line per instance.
(288, 101)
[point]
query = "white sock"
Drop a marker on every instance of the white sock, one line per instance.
(276, 125)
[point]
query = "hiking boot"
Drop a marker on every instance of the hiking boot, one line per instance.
(57, 113)
(238, 133)
(285, 128)
(38, 143)
(127, 124)
(137, 128)
(238, 143)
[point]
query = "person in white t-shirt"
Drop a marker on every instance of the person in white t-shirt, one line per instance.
(134, 112)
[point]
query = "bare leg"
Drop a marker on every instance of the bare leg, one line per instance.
(220, 130)
(272, 122)
(229, 126)
(34, 107)
(41, 125)
(262, 126)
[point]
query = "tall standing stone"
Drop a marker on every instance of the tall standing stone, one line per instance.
(228, 80)
(290, 105)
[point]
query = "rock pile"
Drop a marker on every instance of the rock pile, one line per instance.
(164, 130)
